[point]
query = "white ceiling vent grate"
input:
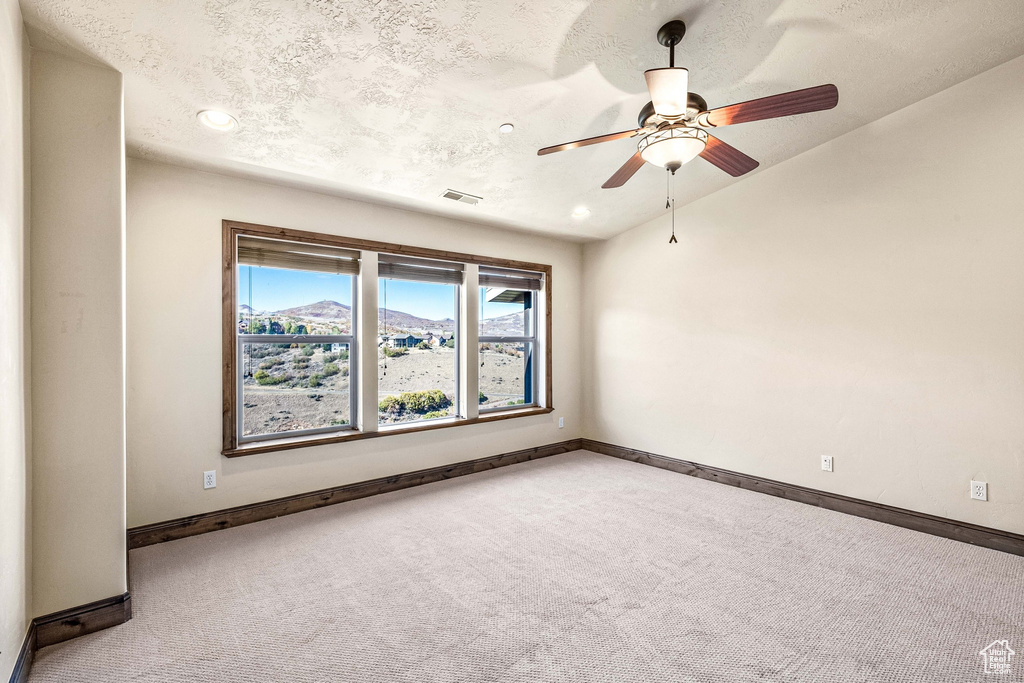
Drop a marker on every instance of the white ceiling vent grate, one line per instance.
(461, 197)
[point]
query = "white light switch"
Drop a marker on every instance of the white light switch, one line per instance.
(826, 463)
(561, 422)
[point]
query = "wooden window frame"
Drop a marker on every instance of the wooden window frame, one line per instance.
(229, 362)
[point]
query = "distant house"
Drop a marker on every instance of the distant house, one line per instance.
(403, 341)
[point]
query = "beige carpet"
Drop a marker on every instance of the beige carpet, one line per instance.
(574, 568)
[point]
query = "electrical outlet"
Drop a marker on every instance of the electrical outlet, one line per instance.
(210, 479)
(826, 463)
(979, 490)
(561, 422)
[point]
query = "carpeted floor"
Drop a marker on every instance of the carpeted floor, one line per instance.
(578, 567)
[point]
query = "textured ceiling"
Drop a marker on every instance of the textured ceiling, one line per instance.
(396, 100)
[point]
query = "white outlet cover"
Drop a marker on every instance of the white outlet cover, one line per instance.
(561, 422)
(979, 490)
(826, 463)
(210, 479)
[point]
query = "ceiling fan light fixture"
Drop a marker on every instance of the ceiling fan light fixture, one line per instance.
(672, 147)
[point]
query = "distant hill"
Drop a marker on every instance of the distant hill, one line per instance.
(503, 326)
(321, 310)
(396, 320)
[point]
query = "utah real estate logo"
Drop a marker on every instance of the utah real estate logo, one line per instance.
(998, 656)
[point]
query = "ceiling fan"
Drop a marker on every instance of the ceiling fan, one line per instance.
(673, 126)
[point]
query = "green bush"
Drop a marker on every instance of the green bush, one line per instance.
(300, 362)
(308, 350)
(330, 357)
(330, 370)
(314, 379)
(425, 345)
(450, 343)
(432, 400)
(265, 378)
(435, 413)
(518, 402)
(271, 362)
(394, 353)
(483, 399)
(343, 354)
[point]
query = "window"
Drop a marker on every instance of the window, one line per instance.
(295, 342)
(418, 321)
(508, 338)
(329, 339)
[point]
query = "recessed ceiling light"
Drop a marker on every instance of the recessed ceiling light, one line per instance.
(506, 128)
(217, 120)
(580, 212)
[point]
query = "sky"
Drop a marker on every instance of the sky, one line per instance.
(275, 289)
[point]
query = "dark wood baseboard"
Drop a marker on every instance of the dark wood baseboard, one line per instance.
(974, 534)
(184, 527)
(24, 661)
(78, 621)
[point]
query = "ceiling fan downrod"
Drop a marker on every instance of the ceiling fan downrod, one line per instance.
(670, 35)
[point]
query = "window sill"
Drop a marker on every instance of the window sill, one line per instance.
(287, 443)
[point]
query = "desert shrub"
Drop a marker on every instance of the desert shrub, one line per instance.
(450, 343)
(390, 404)
(265, 378)
(300, 362)
(270, 363)
(308, 350)
(435, 413)
(428, 401)
(394, 353)
(343, 354)
(517, 402)
(344, 371)
(425, 345)
(339, 423)
(330, 357)
(330, 370)
(260, 351)
(315, 379)
(483, 399)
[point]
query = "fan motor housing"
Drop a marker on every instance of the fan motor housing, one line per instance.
(695, 105)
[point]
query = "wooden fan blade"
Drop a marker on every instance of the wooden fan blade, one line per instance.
(587, 141)
(620, 177)
(727, 157)
(818, 98)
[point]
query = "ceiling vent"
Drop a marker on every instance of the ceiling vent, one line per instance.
(461, 197)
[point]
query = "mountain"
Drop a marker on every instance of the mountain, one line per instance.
(503, 326)
(323, 310)
(397, 320)
(244, 309)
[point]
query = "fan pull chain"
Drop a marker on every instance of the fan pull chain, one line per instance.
(672, 186)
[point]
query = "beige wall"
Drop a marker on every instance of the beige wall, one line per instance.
(174, 345)
(864, 300)
(15, 463)
(78, 483)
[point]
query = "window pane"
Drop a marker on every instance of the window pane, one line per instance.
(505, 312)
(417, 359)
(506, 374)
(282, 301)
(288, 387)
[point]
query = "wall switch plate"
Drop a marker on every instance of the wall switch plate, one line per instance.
(826, 463)
(561, 422)
(979, 490)
(210, 479)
